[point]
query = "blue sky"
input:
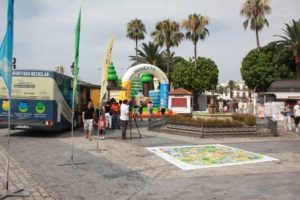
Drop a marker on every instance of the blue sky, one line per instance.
(44, 31)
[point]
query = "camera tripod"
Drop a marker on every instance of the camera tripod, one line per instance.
(133, 117)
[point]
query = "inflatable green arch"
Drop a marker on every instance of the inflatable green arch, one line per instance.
(150, 69)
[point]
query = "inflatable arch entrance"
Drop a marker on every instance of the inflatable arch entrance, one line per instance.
(151, 69)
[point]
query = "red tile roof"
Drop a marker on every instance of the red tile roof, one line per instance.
(180, 91)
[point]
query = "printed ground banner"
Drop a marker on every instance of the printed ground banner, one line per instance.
(206, 156)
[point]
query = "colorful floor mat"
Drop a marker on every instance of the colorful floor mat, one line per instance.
(205, 156)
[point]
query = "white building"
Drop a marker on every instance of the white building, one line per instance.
(234, 90)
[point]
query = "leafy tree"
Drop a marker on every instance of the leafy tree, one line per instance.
(271, 63)
(255, 11)
(291, 40)
(167, 33)
(220, 89)
(195, 27)
(136, 31)
(196, 79)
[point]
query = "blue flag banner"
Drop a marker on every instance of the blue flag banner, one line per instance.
(6, 48)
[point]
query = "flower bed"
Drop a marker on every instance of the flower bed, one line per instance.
(240, 125)
(235, 121)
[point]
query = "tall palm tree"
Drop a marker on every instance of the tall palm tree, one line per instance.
(291, 40)
(136, 31)
(195, 27)
(255, 11)
(167, 33)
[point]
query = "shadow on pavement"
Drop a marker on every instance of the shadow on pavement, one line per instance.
(36, 134)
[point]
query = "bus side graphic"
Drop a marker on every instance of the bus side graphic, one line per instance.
(38, 97)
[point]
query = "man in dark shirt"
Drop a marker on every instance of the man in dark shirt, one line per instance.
(88, 120)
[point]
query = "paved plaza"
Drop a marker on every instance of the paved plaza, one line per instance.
(125, 169)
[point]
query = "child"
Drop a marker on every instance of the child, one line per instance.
(141, 110)
(101, 127)
(150, 108)
(162, 111)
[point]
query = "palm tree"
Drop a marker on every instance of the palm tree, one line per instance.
(255, 11)
(231, 85)
(291, 40)
(149, 53)
(167, 33)
(136, 31)
(173, 60)
(195, 27)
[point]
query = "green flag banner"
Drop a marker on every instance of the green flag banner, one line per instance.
(77, 40)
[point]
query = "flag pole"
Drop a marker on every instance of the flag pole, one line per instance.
(75, 80)
(72, 131)
(16, 192)
(6, 52)
(8, 142)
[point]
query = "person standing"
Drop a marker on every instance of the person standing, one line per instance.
(141, 110)
(115, 107)
(88, 118)
(150, 108)
(287, 117)
(162, 112)
(107, 108)
(220, 103)
(132, 104)
(297, 115)
(101, 127)
(240, 107)
(124, 117)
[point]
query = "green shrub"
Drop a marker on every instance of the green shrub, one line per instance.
(186, 119)
(237, 121)
(249, 120)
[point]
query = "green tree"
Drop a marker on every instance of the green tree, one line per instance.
(196, 79)
(136, 31)
(261, 67)
(220, 89)
(291, 41)
(195, 30)
(167, 33)
(255, 11)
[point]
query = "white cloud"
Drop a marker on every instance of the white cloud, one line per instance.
(44, 31)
